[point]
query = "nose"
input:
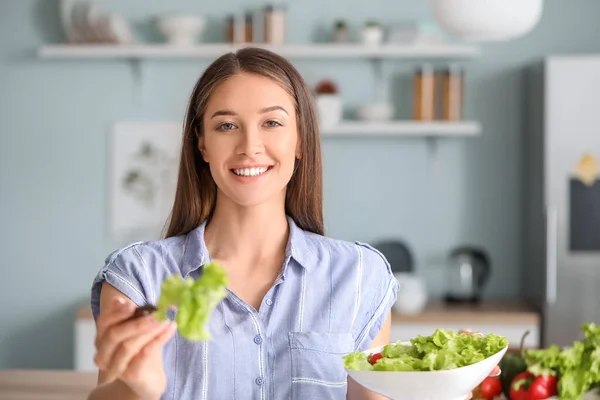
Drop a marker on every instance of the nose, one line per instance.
(251, 141)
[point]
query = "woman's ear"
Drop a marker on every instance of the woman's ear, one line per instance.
(202, 148)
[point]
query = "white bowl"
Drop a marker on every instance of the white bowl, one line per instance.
(375, 112)
(180, 29)
(453, 384)
(487, 20)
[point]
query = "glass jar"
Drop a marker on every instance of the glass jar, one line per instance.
(275, 24)
(452, 93)
(424, 93)
(248, 29)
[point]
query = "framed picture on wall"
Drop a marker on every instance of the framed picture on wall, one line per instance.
(143, 163)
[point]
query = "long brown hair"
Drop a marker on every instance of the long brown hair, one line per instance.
(196, 192)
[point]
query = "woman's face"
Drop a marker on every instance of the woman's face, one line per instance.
(250, 139)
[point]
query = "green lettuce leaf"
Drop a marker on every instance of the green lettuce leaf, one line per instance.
(358, 361)
(194, 300)
(577, 367)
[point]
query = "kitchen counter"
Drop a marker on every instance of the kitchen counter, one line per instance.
(507, 318)
(497, 312)
(46, 384)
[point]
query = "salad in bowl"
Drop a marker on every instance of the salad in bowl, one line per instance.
(446, 365)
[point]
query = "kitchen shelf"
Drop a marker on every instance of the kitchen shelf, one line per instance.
(209, 51)
(403, 128)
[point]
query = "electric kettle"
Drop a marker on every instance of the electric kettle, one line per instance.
(467, 273)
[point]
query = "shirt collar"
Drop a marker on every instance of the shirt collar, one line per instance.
(196, 254)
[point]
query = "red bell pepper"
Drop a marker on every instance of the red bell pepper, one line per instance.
(543, 387)
(519, 388)
(526, 386)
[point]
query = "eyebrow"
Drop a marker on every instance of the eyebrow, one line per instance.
(262, 111)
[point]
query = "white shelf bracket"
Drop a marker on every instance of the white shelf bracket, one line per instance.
(433, 156)
(137, 74)
(380, 89)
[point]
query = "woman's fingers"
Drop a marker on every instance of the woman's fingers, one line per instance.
(130, 347)
(119, 311)
(496, 371)
(161, 339)
(149, 351)
(118, 334)
(470, 332)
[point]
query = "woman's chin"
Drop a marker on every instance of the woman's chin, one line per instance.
(255, 198)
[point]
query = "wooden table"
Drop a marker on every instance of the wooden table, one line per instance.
(46, 384)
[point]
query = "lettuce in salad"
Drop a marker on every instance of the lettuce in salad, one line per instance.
(194, 300)
(577, 367)
(443, 350)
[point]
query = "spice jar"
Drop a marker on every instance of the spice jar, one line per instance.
(230, 31)
(424, 93)
(275, 24)
(452, 93)
(248, 29)
(237, 31)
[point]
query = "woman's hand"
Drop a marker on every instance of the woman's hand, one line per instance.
(495, 372)
(130, 350)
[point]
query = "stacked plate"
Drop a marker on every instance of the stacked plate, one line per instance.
(87, 22)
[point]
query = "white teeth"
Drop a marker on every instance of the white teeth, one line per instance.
(250, 171)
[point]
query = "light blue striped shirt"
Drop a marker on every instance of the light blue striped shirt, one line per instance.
(330, 298)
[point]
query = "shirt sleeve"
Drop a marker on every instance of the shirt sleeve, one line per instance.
(128, 271)
(378, 292)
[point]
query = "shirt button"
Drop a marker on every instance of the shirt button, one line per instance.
(257, 339)
(269, 302)
(259, 381)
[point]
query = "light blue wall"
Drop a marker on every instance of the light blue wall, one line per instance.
(54, 116)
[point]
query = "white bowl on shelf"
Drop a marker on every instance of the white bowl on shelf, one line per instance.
(453, 384)
(375, 112)
(180, 29)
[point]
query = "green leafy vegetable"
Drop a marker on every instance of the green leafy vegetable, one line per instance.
(441, 351)
(577, 367)
(194, 300)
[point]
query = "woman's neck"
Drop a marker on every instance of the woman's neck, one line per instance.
(252, 234)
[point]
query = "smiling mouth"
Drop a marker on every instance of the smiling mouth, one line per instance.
(251, 171)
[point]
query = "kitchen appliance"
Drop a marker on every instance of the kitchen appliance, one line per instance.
(467, 272)
(561, 218)
(397, 254)
(412, 297)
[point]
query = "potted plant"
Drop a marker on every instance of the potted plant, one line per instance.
(329, 103)
(340, 32)
(372, 33)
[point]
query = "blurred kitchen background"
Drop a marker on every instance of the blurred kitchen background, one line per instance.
(434, 151)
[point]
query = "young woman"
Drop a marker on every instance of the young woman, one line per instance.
(249, 196)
